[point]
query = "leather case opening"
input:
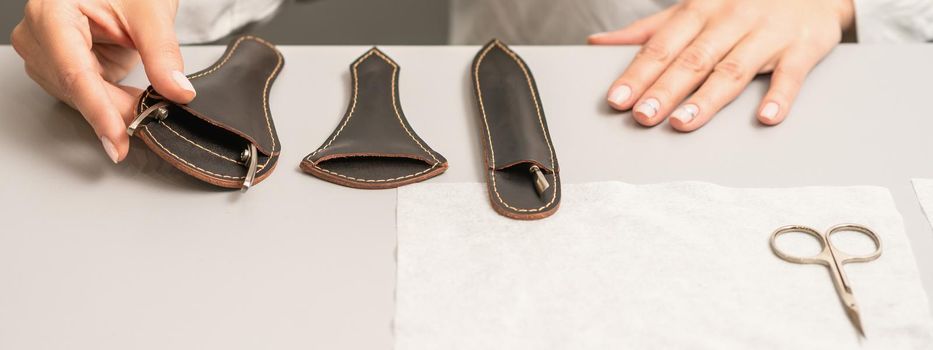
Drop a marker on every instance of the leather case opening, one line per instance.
(199, 144)
(373, 146)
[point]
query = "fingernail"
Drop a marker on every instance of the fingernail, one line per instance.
(770, 111)
(182, 81)
(110, 149)
(620, 94)
(649, 108)
(686, 113)
(598, 35)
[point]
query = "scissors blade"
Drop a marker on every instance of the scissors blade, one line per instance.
(852, 312)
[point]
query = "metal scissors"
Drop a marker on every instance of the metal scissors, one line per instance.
(834, 260)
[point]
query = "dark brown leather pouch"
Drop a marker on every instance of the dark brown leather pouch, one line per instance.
(373, 146)
(522, 174)
(226, 136)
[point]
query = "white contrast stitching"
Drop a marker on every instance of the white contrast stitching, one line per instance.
(492, 153)
(398, 116)
(197, 144)
(146, 128)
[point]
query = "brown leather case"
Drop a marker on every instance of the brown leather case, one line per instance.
(373, 146)
(522, 174)
(226, 136)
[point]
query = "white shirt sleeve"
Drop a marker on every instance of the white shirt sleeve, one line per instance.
(531, 22)
(894, 21)
(200, 21)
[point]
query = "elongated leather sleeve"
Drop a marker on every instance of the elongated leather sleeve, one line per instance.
(515, 122)
(522, 172)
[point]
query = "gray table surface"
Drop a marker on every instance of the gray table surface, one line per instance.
(138, 256)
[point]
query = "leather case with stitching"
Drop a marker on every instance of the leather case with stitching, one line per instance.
(522, 174)
(226, 136)
(373, 146)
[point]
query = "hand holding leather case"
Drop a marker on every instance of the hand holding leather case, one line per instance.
(522, 174)
(373, 146)
(226, 136)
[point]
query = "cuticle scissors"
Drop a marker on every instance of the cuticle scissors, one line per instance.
(834, 260)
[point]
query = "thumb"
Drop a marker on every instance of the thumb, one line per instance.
(151, 27)
(636, 33)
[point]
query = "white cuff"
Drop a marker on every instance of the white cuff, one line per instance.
(894, 21)
(200, 21)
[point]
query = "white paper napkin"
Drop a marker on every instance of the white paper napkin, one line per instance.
(670, 266)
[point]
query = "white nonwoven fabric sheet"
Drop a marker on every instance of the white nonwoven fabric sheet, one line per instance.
(668, 266)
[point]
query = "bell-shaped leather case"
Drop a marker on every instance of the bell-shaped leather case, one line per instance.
(373, 146)
(226, 136)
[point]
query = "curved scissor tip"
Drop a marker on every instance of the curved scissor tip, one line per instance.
(852, 312)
